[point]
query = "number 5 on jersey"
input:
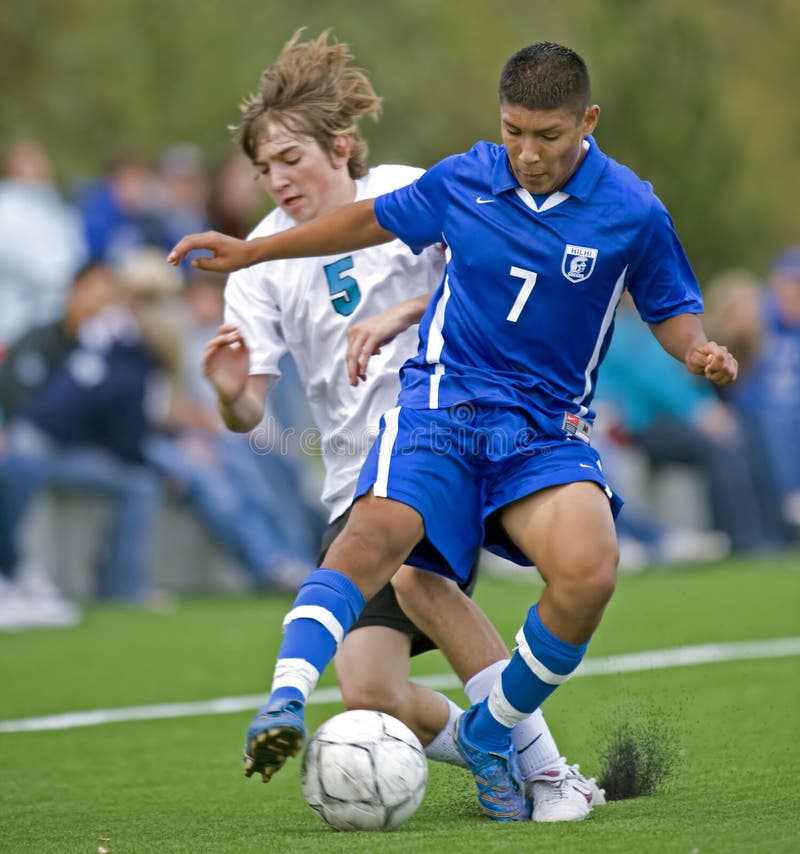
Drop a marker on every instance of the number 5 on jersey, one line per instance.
(345, 293)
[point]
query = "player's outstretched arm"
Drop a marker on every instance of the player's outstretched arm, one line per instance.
(344, 229)
(226, 365)
(683, 337)
(366, 338)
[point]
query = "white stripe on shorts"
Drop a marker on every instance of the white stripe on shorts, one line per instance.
(388, 438)
(535, 666)
(320, 615)
(436, 378)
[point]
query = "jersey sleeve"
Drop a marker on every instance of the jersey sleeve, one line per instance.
(661, 280)
(252, 307)
(416, 212)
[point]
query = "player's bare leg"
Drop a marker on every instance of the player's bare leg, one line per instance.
(372, 667)
(457, 626)
(378, 536)
(568, 533)
(471, 643)
(477, 653)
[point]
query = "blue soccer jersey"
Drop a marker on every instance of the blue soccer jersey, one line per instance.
(525, 312)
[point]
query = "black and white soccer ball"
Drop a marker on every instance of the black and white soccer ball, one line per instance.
(364, 770)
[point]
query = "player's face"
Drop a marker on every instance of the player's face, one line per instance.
(545, 146)
(300, 176)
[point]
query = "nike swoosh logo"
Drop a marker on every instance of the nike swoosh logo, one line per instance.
(584, 466)
(481, 201)
(530, 744)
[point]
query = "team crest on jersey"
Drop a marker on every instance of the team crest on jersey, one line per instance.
(578, 262)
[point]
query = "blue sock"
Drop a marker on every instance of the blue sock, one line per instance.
(550, 662)
(326, 606)
(539, 665)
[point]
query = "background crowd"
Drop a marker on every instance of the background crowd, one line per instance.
(101, 393)
(101, 389)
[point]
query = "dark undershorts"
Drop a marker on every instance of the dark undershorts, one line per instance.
(383, 609)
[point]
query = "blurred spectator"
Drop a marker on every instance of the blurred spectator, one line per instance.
(78, 423)
(236, 202)
(153, 291)
(733, 312)
(41, 242)
(119, 209)
(673, 418)
(767, 395)
(645, 538)
(249, 503)
(183, 192)
(35, 357)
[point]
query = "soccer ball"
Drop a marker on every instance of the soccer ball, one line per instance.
(364, 770)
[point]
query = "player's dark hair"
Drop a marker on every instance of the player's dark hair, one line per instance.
(311, 89)
(546, 76)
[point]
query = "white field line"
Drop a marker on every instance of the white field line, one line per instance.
(658, 659)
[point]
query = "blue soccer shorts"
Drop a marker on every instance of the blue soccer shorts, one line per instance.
(457, 467)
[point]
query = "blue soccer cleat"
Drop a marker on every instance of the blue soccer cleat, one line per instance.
(497, 778)
(276, 733)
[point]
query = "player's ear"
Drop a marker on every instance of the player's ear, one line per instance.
(341, 151)
(590, 118)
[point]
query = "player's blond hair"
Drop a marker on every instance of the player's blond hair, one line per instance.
(312, 90)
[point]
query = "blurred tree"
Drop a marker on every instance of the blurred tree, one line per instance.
(662, 116)
(699, 98)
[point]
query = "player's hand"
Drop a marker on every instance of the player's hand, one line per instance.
(228, 253)
(226, 362)
(365, 339)
(714, 362)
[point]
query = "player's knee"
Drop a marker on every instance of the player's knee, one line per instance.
(377, 696)
(375, 542)
(416, 593)
(384, 527)
(590, 577)
(357, 546)
(601, 575)
(406, 582)
(600, 582)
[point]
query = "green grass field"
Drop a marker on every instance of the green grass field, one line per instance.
(175, 784)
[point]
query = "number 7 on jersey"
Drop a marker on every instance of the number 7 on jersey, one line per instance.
(529, 280)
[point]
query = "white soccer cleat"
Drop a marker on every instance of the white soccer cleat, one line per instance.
(562, 793)
(598, 794)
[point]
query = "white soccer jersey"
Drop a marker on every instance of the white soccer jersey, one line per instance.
(305, 307)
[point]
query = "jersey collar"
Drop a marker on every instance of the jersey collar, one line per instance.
(580, 185)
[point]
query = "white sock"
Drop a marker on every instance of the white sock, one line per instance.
(532, 737)
(535, 745)
(443, 748)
